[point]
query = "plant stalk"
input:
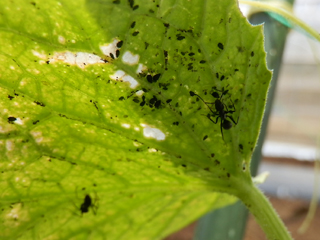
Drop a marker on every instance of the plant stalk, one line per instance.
(265, 215)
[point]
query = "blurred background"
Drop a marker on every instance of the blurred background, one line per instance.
(293, 137)
(292, 142)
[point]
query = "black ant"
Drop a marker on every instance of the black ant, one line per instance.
(221, 112)
(87, 203)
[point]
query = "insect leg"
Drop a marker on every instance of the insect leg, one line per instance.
(234, 108)
(95, 205)
(231, 118)
(210, 115)
(221, 130)
(192, 94)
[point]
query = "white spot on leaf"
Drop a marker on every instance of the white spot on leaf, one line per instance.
(110, 48)
(121, 75)
(125, 125)
(139, 93)
(81, 59)
(39, 55)
(137, 144)
(155, 133)
(152, 150)
(131, 80)
(18, 121)
(129, 58)
(141, 68)
(118, 75)
(62, 40)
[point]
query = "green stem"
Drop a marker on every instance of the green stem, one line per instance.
(264, 214)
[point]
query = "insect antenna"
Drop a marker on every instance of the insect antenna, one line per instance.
(194, 94)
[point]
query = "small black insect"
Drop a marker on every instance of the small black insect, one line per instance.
(87, 203)
(222, 112)
(119, 44)
(84, 208)
(117, 53)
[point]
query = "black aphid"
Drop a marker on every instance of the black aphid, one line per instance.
(117, 53)
(11, 119)
(180, 37)
(119, 44)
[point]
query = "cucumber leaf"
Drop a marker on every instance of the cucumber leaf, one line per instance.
(109, 126)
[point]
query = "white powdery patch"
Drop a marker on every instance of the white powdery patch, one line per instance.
(141, 68)
(139, 93)
(137, 144)
(118, 75)
(152, 150)
(155, 133)
(18, 121)
(121, 75)
(129, 58)
(110, 48)
(125, 125)
(81, 59)
(39, 55)
(62, 40)
(131, 80)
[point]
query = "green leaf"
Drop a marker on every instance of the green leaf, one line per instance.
(100, 136)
